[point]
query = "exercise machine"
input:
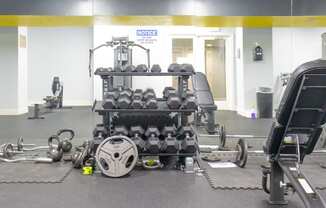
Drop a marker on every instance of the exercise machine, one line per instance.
(294, 134)
(54, 101)
(205, 101)
(122, 49)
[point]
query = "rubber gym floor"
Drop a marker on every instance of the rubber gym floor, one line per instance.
(153, 189)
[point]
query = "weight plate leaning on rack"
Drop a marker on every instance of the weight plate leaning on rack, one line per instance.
(116, 156)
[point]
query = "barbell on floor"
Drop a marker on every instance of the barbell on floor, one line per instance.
(241, 152)
(26, 159)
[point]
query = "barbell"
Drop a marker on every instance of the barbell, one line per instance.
(241, 152)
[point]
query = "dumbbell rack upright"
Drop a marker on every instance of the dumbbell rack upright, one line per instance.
(107, 114)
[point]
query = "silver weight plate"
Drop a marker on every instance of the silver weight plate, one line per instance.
(116, 156)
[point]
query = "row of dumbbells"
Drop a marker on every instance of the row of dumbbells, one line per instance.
(138, 99)
(153, 141)
(144, 68)
(130, 99)
(174, 101)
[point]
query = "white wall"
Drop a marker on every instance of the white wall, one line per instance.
(256, 73)
(295, 46)
(59, 52)
(8, 70)
(161, 53)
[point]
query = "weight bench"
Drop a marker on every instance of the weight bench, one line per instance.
(294, 135)
(205, 101)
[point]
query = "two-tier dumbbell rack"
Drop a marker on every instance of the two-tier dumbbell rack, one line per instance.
(107, 114)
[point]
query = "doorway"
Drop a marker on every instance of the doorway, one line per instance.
(215, 67)
(212, 55)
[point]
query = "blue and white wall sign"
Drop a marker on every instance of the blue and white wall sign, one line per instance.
(147, 36)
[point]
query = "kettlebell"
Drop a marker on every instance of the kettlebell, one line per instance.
(66, 142)
(55, 152)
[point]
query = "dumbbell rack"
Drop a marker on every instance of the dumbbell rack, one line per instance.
(107, 84)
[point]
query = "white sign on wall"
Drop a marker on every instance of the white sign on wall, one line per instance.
(146, 36)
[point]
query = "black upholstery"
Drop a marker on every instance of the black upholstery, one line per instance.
(301, 111)
(202, 92)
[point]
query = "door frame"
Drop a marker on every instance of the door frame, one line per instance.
(199, 61)
(229, 102)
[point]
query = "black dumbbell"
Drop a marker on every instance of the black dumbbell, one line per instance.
(174, 67)
(156, 68)
(137, 103)
(188, 140)
(100, 132)
(130, 68)
(138, 91)
(174, 101)
(109, 102)
(153, 142)
(136, 133)
(123, 102)
(124, 99)
(113, 93)
(187, 68)
(138, 94)
(120, 130)
(127, 92)
(170, 143)
(141, 68)
(103, 70)
(149, 93)
(167, 91)
(151, 103)
(190, 101)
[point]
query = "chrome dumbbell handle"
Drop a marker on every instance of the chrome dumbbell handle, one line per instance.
(2, 154)
(26, 159)
(7, 151)
(35, 148)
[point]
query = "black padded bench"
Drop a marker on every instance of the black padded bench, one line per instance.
(205, 100)
(295, 133)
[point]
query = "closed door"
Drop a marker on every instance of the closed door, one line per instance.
(215, 67)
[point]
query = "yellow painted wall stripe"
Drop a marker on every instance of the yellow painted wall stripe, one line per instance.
(204, 21)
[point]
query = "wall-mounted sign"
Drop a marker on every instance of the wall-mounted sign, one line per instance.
(146, 36)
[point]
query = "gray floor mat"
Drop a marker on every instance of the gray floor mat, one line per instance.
(249, 178)
(34, 173)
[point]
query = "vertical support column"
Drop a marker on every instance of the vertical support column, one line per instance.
(323, 49)
(276, 190)
(13, 73)
(22, 71)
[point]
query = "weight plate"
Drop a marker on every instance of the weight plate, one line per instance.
(116, 156)
(242, 155)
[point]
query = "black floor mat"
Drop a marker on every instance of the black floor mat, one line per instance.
(249, 178)
(34, 173)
